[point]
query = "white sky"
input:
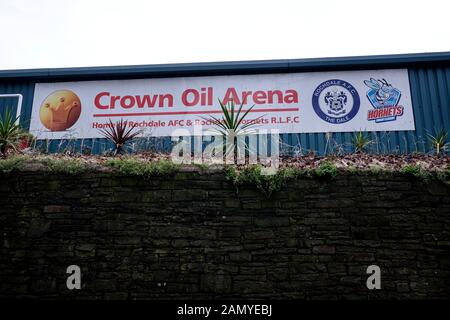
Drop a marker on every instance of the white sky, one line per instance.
(64, 33)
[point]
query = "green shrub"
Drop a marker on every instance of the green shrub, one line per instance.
(161, 168)
(140, 168)
(443, 175)
(376, 170)
(267, 184)
(231, 174)
(352, 169)
(13, 163)
(127, 166)
(414, 171)
(201, 166)
(64, 166)
(326, 170)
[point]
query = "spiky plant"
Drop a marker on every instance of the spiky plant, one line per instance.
(439, 141)
(231, 124)
(10, 133)
(232, 119)
(360, 141)
(119, 134)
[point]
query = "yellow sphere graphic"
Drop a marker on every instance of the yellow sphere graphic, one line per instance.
(60, 110)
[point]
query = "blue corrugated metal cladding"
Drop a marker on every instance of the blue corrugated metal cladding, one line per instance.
(429, 76)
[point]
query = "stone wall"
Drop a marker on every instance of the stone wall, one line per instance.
(191, 236)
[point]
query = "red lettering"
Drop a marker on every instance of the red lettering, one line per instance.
(259, 97)
(113, 101)
(97, 100)
(127, 102)
(245, 94)
(194, 101)
(163, 97)
(231, 95)
(279, 95)
(291, 96)
(210, 96)
(384, 112)
(146, 100)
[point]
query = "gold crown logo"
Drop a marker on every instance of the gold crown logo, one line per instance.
(60, 110)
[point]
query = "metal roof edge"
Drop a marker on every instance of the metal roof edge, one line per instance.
(232, 67)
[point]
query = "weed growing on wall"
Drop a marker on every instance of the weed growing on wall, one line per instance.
(267, 184)
(246, 176)
(326, 170)
(12, 163)
(443, 176)
(420, 173)
(414, 171)
(135, 167)
(375, 170)
(64, 166)
(52, 165)
(127, 166)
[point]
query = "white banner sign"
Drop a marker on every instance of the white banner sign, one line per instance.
(347, 101)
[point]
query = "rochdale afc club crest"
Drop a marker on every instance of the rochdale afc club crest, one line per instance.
(336, 101)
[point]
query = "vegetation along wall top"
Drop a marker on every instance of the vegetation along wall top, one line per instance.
(314, 104)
